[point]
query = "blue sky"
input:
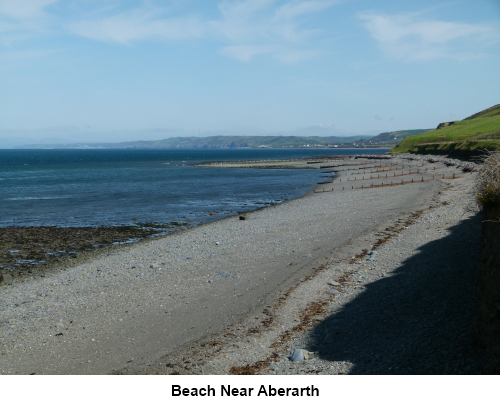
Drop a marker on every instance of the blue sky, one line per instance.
(108, 70)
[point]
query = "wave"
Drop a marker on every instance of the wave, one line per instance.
(34, 198)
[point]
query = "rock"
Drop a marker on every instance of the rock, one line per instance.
(6, 278)
(445, 124)
(225, 274)
(334, 292)
(297, 355)
(155, 266)
(242, 218)
(334, 283)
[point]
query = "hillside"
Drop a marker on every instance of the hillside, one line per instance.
(222, 142)
(395, 136)
(469, 137)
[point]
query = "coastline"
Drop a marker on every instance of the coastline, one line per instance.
(34, 251)
(134, 300)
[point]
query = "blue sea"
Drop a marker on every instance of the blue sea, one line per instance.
(112, 187)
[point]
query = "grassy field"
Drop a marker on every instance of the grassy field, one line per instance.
(478, 132)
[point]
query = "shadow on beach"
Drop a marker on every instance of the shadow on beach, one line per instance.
(417, 321)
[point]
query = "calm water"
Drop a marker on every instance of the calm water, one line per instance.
(125, 187)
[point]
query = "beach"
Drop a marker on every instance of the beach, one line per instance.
(238, 296)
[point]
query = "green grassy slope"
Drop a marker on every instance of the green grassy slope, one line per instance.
(477, 132)
(395, 136)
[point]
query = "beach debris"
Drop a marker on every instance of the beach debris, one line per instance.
(242, 218)
(297, 355)
(213, 213)
(155, 266)
(225, 274)
(6, 278)
(217, 243)
(334, 283)
(301, 355)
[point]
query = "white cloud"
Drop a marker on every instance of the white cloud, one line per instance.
(296, 9)
(139, 25)
(244, 29)
(262, 24)
(247, 27)
(409, 37)
(21, 19)
(23, 9)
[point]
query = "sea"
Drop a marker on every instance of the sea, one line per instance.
(123, 187)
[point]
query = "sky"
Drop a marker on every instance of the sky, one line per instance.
(109, 70)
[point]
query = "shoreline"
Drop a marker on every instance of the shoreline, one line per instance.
(34, 251)
(251, 266)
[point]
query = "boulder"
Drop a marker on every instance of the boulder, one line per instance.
(6, 278)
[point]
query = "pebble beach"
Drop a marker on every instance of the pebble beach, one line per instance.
(316, 285)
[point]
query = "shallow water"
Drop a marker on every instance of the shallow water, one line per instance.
(124, 187)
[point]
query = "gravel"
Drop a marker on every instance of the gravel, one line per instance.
(235, 296)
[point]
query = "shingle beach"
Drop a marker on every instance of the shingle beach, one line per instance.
(334, 276)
